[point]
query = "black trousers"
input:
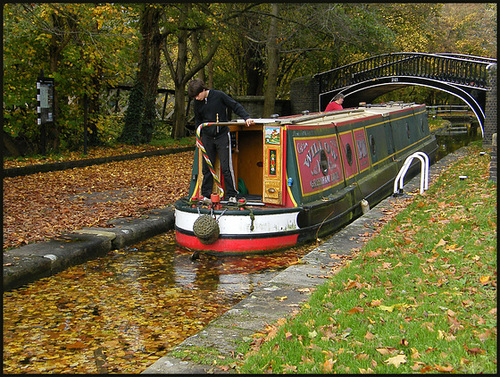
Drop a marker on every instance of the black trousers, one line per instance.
(218, 145)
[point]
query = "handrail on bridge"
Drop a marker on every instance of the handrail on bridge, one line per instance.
(465, 70)
(424, 173)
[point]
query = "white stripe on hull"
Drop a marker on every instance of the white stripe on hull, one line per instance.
(263, 223)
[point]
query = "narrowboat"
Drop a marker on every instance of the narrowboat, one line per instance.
(301, 177)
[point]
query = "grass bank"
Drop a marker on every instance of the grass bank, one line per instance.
(419, 297)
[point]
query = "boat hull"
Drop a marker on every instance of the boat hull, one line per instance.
(242, 231)
(306, 177)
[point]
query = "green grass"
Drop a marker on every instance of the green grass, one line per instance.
(169, 142)
(419, 297)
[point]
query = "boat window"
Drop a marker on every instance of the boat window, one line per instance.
(348, 152)
(422, 125)
(324, 162)
(408, 129)
(372, 145)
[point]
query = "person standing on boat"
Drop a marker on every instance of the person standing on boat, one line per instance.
(211, 106)
(336, 103)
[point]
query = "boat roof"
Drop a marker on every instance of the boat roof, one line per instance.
(330, 117)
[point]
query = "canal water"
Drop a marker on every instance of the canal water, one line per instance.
(122, 312)
(455, 136)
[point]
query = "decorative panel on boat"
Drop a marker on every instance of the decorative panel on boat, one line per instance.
(273, 166)
(318, 162)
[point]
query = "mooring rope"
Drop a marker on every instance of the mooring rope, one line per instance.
(199, 144)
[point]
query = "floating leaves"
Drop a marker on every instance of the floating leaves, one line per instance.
(117, 314)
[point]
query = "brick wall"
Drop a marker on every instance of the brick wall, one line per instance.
(304, 95)
(493, 163)
(490, 118)
(254, 105)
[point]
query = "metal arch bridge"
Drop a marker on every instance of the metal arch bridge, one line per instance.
(463, 76)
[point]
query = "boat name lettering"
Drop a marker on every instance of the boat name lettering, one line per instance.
(315, 149)
(325, 180)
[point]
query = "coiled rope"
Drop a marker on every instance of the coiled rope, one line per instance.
(199, 144)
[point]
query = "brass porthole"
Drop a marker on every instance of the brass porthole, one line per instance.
(323, 162)
(373, 148)
(348, 153)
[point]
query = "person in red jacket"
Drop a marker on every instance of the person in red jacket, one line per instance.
(212, 106)
(336, 103)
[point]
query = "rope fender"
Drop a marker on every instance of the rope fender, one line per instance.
(206, 229)
(199, 144)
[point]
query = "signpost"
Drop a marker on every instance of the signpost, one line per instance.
(45, 106)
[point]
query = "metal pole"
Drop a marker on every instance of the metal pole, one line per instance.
(85, 107)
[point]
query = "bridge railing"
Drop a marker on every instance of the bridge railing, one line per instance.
(448, 109)
(465, 70)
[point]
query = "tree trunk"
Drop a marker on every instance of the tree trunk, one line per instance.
(94, 110)
(147, 78)
(180, 82)
(179, 116)
(272, 64)
(59, 39)
(197, 55)
(179, 74)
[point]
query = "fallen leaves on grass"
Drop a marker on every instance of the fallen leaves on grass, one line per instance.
(92, 152)
(42, 206)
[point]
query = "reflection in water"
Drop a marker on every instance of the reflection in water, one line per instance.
(449, 142)
(133, 306)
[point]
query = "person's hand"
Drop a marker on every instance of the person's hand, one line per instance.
(249, 122)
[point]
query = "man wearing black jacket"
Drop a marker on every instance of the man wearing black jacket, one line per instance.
(211, 106)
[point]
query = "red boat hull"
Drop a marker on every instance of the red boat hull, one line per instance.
(237, 246)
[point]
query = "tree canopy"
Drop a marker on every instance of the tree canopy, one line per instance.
(241, 48)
